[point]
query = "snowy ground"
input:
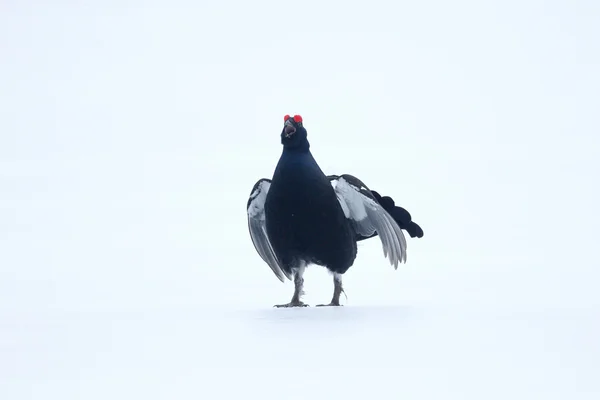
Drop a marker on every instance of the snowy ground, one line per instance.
(440, 338)
(131, 134)
(351, 352)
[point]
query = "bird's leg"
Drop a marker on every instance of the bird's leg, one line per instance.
(298, 286)
(337, 291)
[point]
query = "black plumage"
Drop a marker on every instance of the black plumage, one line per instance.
(302, 216)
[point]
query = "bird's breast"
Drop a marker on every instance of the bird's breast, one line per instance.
(300, 193)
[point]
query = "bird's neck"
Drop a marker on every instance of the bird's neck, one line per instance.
(296, 161)
(303, 146)
(299, 154)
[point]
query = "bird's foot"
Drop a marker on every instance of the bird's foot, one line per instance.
(332, 304)
(291, 304)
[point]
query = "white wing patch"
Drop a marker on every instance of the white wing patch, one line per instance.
(257, 200)
(258, 229)
(368, 217)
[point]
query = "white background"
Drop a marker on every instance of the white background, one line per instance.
(131, 134)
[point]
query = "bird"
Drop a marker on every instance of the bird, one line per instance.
(301, 217)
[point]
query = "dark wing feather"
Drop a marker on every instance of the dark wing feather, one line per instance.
(257, 227)
(368, 217)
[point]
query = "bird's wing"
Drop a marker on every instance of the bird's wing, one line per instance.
(368, 217)
(258, 229)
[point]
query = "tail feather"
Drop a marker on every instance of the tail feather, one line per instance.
(400, 215)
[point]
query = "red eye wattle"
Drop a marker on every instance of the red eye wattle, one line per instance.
(297, 118)
(286, 118)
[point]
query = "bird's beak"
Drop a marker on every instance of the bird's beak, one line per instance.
(289, 128)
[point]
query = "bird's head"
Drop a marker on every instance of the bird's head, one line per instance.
(294, 134)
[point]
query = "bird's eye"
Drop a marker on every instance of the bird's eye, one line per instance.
(286, 118)
(297, 118)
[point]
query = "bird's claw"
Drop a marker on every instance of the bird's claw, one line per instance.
(330, 305)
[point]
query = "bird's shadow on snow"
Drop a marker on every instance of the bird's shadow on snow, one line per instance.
(343, 314)
(307, 323)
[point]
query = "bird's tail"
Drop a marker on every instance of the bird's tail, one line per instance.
(400, 215)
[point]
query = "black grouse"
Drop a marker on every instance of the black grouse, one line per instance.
(302, 216)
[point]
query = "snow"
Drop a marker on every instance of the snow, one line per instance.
(132, 133)
(354, 352)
